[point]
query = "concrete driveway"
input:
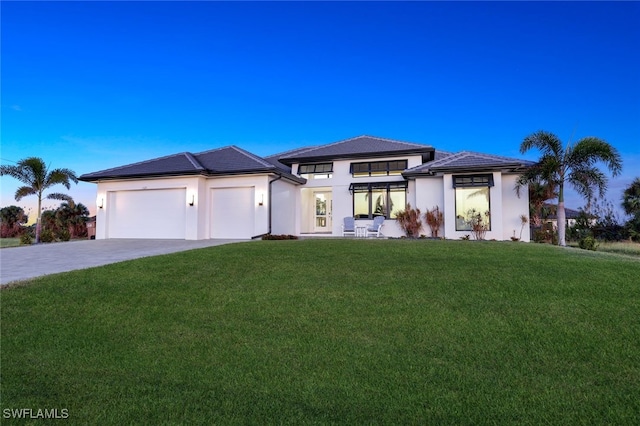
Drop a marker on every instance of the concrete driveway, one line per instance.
(22, 263)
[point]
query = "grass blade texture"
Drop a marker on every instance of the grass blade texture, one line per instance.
(332, 331)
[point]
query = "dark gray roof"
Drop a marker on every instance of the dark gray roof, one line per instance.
(233, 160)
(359, 147)
(221, 161)
(467, 161)
(275, 158)
(569, 213)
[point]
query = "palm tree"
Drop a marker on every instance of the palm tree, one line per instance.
(73, 216)
(631, 198)
(576, 164)
(37, 178)
(631, 205)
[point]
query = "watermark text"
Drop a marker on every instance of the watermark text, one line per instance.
(37, 413)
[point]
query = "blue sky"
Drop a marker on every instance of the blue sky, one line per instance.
(94, 85)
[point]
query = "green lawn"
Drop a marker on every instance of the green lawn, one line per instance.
(620, 247)
(332, 331)
(9, 242)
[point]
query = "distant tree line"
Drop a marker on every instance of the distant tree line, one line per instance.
(66, 222)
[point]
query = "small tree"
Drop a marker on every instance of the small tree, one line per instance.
(409, 220)
(576, 164)
(435, 220)
(37, 178)
(523, 221)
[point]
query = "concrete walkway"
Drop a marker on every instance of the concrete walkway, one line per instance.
(22, 263)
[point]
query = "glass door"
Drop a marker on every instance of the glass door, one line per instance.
(322, 219)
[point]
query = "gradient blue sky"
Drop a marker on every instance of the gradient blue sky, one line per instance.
(94, 85)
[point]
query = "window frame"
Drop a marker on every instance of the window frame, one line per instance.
(369, 188)
(378, 168)
(472, 181)
(484, 180)
(318, 170)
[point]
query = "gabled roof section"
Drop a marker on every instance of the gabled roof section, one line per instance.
(221, 161)
(230, 160)
(467, 161)
(359, 147)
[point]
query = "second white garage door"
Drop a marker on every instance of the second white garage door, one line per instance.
(232, 213)
(158, 213)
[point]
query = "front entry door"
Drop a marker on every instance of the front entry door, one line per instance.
(322, 219)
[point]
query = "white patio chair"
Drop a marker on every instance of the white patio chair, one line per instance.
(376, 227)
(348, 226)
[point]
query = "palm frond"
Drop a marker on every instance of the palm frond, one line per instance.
(586, 179)
(546, 142)
(24, 191)
(591, 150)
(59, 196)
(16, 172)
(61, 176)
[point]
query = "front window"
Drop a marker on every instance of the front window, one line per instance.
(378, 199)
(472, 201)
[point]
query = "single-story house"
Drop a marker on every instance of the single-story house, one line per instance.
(231, 193)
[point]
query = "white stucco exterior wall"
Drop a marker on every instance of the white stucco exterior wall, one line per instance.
(342, 199)
(197, 217)
(284, 198)
(513, 207)
(429, 193)
(505, 206)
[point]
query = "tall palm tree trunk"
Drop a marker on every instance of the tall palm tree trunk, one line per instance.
(39, 218)
(562, 217)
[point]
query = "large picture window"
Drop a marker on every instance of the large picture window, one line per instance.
(378, 168)
(472, 200)
(378, 199)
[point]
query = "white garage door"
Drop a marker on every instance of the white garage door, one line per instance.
(232, 213)
(155, 213)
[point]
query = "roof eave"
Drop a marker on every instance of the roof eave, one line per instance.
(509, 168)
(86, 178)
(203, 173)
(424, 152)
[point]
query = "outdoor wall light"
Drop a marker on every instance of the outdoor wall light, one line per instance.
(101, 203)
(193, 200)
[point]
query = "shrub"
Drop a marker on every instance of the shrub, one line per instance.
(479, 225)
(47, 236)
(435, 220)
(64, 235)
(26, 239)
(546, 234)
(409, 220)
(279, 237)
(588, 243)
